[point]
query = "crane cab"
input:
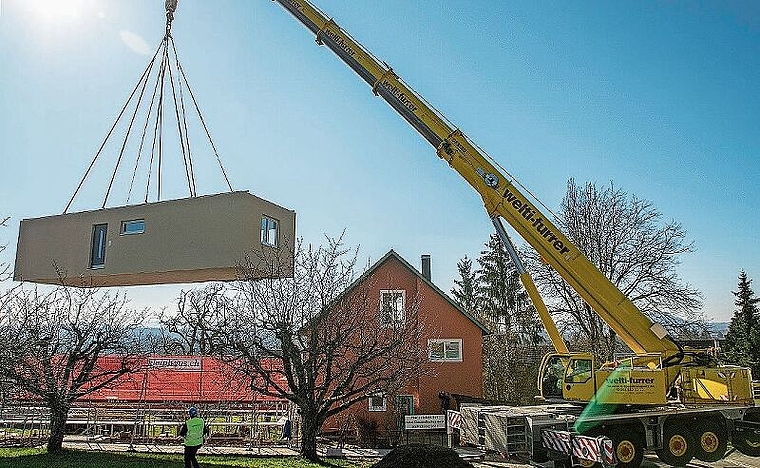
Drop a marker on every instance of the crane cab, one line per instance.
(567, 377)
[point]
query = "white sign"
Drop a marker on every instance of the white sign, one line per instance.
(176, 364)
(424, 422)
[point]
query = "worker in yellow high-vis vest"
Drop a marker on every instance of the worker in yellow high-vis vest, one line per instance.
(194, 430)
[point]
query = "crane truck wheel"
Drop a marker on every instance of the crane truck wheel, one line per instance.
(628, 445)
(588, 464)
(745, 440)
(711, 440)
(678, 444)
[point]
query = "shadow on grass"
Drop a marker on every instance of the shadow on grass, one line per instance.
(38, 458)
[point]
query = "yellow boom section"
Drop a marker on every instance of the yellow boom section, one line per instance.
(500, 197)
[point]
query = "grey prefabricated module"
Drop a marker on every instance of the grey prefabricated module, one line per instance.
(204, 238)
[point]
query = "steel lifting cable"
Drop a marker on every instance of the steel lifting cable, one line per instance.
(158, 137)
(108, 135)
(180, 112)
(189, 164)
(126, 136)
(183, 137)
(142, 142)
(203, 121)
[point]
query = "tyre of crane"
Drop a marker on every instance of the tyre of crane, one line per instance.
(678, 446)
(746, 441)
(579, 462)
(628, 446)
(540, 456)
(588, 464)
(711, 439)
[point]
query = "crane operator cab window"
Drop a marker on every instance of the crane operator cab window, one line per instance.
(552, 381)
(578, 371)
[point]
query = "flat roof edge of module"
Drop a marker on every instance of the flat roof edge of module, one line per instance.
(173, 200)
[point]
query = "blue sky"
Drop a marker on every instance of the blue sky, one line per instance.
(660, 98)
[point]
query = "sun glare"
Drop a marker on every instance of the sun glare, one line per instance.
(56, 11)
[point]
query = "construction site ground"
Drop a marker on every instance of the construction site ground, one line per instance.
(476, 457)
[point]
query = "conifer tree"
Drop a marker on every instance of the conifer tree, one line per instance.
(498, 284)
(742, 344)
(499, 301)
(465, 289)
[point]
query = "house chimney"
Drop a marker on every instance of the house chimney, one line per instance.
(426, 267)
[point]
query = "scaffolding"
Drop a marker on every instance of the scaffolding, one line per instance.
(150, 406)
(24, 425)
(253, 424)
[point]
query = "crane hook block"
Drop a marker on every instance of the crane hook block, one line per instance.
(171, 6)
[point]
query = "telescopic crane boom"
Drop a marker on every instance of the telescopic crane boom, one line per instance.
(501, 198)
(660, 371)
(680, 403)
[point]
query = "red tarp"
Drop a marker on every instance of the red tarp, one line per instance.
(180, 378)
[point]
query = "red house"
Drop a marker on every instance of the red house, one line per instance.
(453, 339)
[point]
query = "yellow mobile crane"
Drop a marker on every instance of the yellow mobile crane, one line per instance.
(678, 401)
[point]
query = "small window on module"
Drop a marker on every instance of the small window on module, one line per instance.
(269, 231)
(135, 226)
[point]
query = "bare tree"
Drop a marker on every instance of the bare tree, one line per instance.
(627, 240)
(62, 345)
(198, 321)
(316, 339)
(4, 266)
(510, 369)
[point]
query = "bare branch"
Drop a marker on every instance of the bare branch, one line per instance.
(4, 266)
(316, 338)
(66, 343)
(626, 238)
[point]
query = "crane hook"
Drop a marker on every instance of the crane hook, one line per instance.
(171, 7)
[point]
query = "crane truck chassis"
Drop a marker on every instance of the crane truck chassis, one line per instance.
(679, 402)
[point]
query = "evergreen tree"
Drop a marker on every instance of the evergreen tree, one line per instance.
(742, 344)
(495, 295)
(464, 291)
(498, 284)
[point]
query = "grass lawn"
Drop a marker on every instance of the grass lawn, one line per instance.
(39, 458)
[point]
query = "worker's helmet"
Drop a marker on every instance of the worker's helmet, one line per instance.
(192, 411)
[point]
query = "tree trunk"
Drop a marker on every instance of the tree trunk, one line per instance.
(309, 429)
(58, 415)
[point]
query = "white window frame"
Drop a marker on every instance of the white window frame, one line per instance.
(399, 315)
(125, 227)
(375, 408)
(446, 342)
(268, 226)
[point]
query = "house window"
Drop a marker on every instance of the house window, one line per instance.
(445, 350)
(98, 252)
(269, 231)
(392, 306)
(377, 402)
(136, 226)
(405, 404)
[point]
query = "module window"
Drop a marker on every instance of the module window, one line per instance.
(269, 231)
(98, 252)
(135, 226)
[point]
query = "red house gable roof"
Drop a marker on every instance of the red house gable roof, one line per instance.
(393, 255)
